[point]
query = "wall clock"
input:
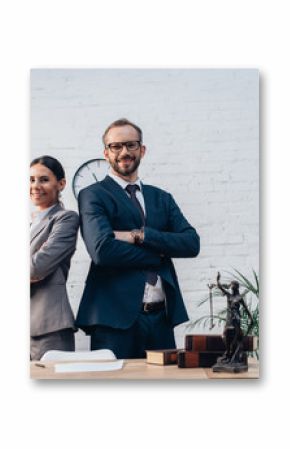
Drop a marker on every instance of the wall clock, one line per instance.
(89, 172)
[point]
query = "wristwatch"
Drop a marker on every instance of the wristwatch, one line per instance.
(138, 236)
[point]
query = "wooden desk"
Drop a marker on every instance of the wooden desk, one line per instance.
(140, 370)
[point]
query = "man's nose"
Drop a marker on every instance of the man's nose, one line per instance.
(124, 149)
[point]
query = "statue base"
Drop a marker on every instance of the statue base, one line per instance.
(226, 365)
(230, 368)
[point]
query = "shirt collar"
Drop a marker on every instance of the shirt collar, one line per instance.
(38, 216)
(122, 183)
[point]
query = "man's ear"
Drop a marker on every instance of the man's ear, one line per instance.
(143, 150)
(106, 154)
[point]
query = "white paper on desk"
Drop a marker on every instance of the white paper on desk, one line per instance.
(76, 356)
(80, 367)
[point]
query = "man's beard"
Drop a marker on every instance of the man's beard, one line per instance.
(123, 170)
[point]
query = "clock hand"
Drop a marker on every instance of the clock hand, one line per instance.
(94, 176)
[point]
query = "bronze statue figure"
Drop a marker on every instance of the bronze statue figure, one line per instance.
(235, 358)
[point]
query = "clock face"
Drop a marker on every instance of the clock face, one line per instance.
(89, 173)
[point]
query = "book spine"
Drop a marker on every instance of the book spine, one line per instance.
(196, 359)
(170, 358)
(215, 343)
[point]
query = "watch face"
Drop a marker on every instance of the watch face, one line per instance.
(89, 173)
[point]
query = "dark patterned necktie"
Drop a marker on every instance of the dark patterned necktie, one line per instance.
(132, 189)
(151, 276)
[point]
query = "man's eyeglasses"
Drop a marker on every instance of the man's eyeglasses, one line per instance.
(116, 147)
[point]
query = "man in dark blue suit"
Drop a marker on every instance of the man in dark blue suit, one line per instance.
(131, 301)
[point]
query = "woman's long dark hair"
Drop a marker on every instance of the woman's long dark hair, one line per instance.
(52, 164)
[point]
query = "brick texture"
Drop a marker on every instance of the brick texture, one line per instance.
(201, 129)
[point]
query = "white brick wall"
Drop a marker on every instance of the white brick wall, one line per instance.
(201, 128)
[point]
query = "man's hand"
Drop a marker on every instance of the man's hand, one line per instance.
(124, 236)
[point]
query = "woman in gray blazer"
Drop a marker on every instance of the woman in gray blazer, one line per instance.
(52, 243)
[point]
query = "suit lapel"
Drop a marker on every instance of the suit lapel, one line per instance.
(43, 223)
(148, 200)
(122, 199)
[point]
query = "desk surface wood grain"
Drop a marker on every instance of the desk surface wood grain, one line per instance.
(140, 370)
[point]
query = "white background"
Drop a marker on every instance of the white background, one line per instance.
(161, 34)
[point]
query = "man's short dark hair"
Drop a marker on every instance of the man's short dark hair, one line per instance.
(123, 122)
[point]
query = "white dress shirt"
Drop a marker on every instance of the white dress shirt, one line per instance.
(152, 293)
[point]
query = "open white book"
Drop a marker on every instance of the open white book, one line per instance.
(83, 361)
(97, 354)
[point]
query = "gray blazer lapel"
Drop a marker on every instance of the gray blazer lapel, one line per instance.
(43, 223)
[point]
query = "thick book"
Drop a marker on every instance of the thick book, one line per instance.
(162, 356)
(196, 359)
(216, 343)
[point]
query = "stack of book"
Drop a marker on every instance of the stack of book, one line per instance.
(200, 351)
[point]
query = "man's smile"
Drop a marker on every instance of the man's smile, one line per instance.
(126, 159)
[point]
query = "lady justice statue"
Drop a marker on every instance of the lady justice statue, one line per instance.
(234, 359)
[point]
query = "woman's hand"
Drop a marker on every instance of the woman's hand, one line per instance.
(34, 280)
